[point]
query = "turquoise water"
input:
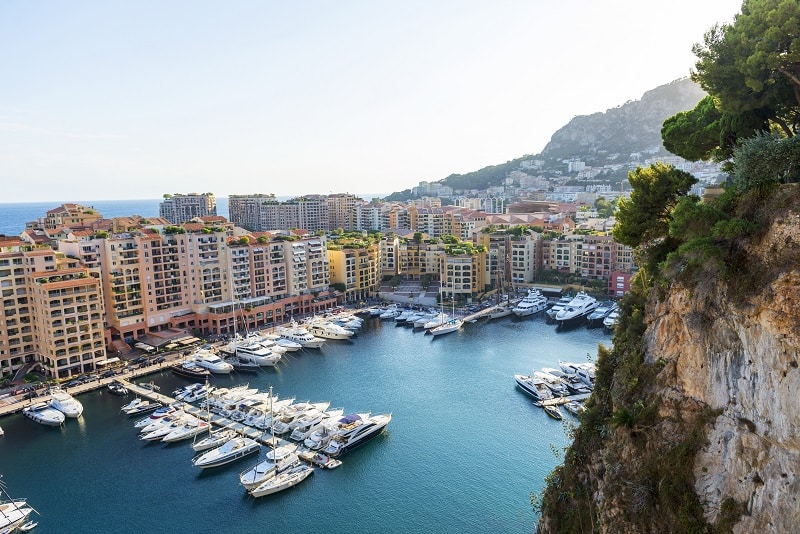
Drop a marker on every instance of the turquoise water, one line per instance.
(463, 451)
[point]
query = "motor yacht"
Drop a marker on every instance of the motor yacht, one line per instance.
(291, 415)
(558, 306)
(191, 427)
(500, 310)
(254, 352)
(139, 406)
(43, 413)
(354, 430)
(327, 330)
(64, 402)
(535, 387)
(301, 335)
(286, 344)
(534, 302)
(311, 422)
(602, 311)
(232, 450)
(611, 320)
(14, 514)
(117, 388)
(577, 310)
(438, 320)
(210, 361)
(214, 439)
(190, 369)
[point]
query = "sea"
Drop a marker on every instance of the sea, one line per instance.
(463, 453)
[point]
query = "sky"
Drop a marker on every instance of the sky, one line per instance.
(132, 99)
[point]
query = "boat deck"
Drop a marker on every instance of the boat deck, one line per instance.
(563, 400)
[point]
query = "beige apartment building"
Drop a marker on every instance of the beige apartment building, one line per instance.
(357, 269)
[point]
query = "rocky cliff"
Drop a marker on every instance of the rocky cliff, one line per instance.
(696, 427)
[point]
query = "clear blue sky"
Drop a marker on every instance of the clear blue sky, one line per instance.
(133, 99)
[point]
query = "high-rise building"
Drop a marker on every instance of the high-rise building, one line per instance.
(180, 208)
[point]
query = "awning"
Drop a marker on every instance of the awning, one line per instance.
(109, 361)
(189, 341)
(144, 346)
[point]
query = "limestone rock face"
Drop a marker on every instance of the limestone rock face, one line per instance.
(742, 361)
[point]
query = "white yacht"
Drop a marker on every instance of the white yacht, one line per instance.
(284, 480)
(354, 430)
(500, 310)
(233, 449)
(301, 335)
(255, 352)
(451, 325)
(328, 330)
(276, 461)
(286, 344)
(601, 312)
(215, 438)
(64, 402)
(535, 387)
(191, 427)
(44, 414)
(208, 360)
(13, 514)
(558, 306)
(577, 310)
(438, 320)
(313, 421)
(391, 312)
(534, 302)
(611, 320)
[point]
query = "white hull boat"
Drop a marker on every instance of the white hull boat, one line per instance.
(230, 451)
(65, 403)
(42, 413)
(283, 481)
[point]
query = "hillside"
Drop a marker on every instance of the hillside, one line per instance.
(633, 127)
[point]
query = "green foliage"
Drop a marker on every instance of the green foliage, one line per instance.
(339, 286)
(395, 281)
(425, 280)
(244, 240)
(644, 216)
(417, 237)
(766, 158)
(171, 229)
(695, 134)
(604, 208)
(262, 239)
(101, 234)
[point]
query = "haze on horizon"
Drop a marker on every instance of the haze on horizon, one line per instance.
(115, 100)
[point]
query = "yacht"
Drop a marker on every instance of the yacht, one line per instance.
(327, 330)
(534, 302)
(299, 334)
(44, 414)
(13, 514)
(255, 352)
(553, 412)
(601, 312)
(117, 388)
(191, 427)
(319, 438)
(162, 429)
(577, 310)
(241, 365)
(190, 393)
(65, 403)
(233, 449)
(584, 371)
(208, 360)
(190, 369)
(391, 312)
(424, 318)
(451, 325)
(276, 461)
(557, 385)
(500, 310)
(438, 320)
(535, 387)
(286, 344)
(214, 439)
(284, 480)
(291, 415)
(611, 320)
(355, 430)
(558, 306)
(313, 421)
(139, 406)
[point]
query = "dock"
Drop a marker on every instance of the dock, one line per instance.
(558, 401)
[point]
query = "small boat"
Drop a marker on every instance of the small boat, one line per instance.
(574, 407)
(282, 481)
(553, 412)
(208, 360)
(233, 449)
(13, 513)
(30, 525)
(45, 414)
(117, 388)
(149, 386)
(317, 458)
(215, 438)
(2, 432)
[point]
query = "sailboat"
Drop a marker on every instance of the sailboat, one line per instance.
(215, 438)
(14, 514)
(450, 325)
(281, 470)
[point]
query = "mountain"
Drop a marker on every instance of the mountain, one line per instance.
(596, 139)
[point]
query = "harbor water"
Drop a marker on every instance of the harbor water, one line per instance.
(463, 452)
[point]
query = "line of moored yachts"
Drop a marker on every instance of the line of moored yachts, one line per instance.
(567, 311)
(319, 434)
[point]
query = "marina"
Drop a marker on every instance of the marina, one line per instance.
(417, 475)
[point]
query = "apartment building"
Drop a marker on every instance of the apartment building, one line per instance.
(367, 216)
(463, 276)
(341, 208)
(357, 269)
(245, 211)
(17, 343)
(389, 256)
(180, 208)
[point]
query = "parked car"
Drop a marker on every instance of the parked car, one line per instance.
(159, 359)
